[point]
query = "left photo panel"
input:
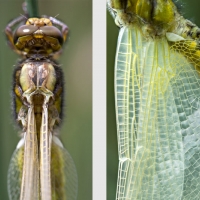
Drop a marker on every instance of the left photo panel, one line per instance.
(46, 100)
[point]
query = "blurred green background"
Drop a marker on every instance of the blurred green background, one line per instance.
(76, 131)
(190, 10)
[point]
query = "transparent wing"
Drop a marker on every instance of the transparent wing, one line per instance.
(30, 175)
(15, 173)
(23, 173)
(57, 170)
(63, 173)
(45, 155)
(186, 90)
(157, 104)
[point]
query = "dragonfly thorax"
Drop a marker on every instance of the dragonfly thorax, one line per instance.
(37, 87)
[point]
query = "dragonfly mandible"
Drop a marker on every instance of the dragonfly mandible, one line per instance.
(40, 168)
(157, 96)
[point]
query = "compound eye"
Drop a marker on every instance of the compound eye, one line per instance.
(52, 31)
(23, 31)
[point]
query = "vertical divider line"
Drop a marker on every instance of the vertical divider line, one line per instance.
(99, 100)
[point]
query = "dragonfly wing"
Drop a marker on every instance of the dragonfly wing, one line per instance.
(30, 176)
(63, 173)
(58, 175)
(15, 172)
(45, 155)
(186, 91)
(157, 98)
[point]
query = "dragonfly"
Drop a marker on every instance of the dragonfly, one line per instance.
(157, 99)
(40, 168)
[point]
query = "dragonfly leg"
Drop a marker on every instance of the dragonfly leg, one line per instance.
(64, 27)
(22, 117)
(9, 32)
(54, 118)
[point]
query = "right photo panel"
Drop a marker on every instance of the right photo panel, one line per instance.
(153, 100)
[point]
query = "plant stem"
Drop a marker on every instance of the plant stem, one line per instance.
(32, 8)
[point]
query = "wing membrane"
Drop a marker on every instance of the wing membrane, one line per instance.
(15, 173)
(63, 173)
(45, 156)
(157, 99)
(30, 176)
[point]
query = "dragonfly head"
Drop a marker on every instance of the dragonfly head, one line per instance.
(38, 35)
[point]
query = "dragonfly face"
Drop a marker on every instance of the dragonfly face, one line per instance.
(38, 34)
(157, 95)
(40, 167)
